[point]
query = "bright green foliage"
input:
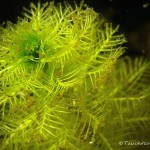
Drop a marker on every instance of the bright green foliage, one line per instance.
(59, 87)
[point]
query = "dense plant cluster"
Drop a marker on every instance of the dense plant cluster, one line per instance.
(61, 87)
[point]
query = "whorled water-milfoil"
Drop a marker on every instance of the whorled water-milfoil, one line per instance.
(60, 86)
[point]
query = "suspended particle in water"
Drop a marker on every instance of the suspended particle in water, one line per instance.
(145, 5)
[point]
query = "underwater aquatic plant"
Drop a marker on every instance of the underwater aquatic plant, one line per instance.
(60, 87)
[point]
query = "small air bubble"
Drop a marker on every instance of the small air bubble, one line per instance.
(90, 142)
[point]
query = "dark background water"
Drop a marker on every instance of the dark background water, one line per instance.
(133, 16)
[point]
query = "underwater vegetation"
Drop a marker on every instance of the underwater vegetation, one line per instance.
(63, 85)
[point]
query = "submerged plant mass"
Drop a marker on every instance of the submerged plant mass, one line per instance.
(62, 86)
